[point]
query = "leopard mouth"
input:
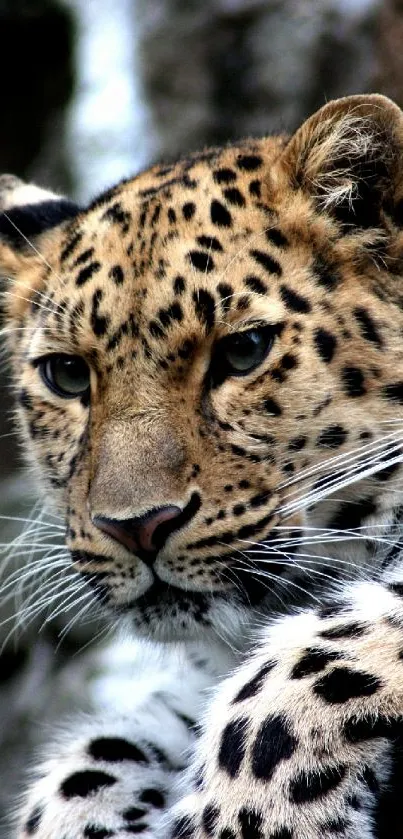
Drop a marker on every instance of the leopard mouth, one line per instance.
(167, 612)
(161, 594)
(248, 586)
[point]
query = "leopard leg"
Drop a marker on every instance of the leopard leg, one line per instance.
(108, 779)
(116, 775)
(303, 741)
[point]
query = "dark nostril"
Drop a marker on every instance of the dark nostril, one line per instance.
(150, 533)
(144, 534)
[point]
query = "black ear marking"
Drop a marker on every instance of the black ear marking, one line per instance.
(26, 222)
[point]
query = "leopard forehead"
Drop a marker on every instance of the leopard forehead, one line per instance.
(170, 255)
(146, 279)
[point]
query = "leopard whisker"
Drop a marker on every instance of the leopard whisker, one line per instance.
(31, 245)
(346, 459)
(247, 564)
(329, 535)
(18, 579)
(336, 561)
(15, 296)
(278, 580)
(367, 470)
(293, 559)
(47, 585)
(335, 484)
(360, 569)
(70, 602)
(20, 549)
(227, 574)
(83, 613)
(305, 570)
(32, 521)
(28, 611)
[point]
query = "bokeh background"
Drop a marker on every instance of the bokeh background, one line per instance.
(93, 90)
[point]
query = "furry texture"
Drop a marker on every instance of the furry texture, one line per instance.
(209, 375)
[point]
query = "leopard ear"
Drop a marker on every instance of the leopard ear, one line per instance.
(349, 157)
(27, 210)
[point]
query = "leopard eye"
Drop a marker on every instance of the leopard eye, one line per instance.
(66, 375)
(240, 353)
(245, 350)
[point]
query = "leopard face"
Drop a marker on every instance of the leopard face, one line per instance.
(200, 354)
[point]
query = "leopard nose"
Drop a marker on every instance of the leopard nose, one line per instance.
(144, 535)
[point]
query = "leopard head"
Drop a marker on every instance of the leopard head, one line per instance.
(206, 360)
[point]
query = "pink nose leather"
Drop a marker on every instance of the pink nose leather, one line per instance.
(139, 533)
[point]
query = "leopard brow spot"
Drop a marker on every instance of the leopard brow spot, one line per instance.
(255, 284)
(325, 344)
(201, 261)
(276, 237)
(116, 274)
(353, 381)
(179, 285)
(226, 292)
(219, 214)
(33, 821)
(294, 301)
(234, 196)
(83, 257)
(87, 273)
(84, 783)
(255, 188)
(70, 246)
(233, 746)
(224, 176)
(266, 261)
(249, 162)
(307, 786)
(188, 210)
(243, 302)
(273, 745)
(204, 305)
(325, 274)
(209, 242)
(116, 750)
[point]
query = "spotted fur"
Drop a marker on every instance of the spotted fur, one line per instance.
(297, 241)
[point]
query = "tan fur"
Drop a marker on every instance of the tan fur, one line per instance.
(150, 424)
(301, 236)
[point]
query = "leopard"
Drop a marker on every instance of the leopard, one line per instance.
(208, 371)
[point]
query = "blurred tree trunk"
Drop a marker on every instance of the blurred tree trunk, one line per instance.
(391, 50)
(221, 69)
(37, 72)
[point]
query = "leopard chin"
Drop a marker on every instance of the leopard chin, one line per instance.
(169, 612)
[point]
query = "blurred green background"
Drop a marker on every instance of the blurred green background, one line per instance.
(94, 90)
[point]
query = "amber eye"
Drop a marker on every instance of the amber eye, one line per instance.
(66, 375)
(239, 353)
